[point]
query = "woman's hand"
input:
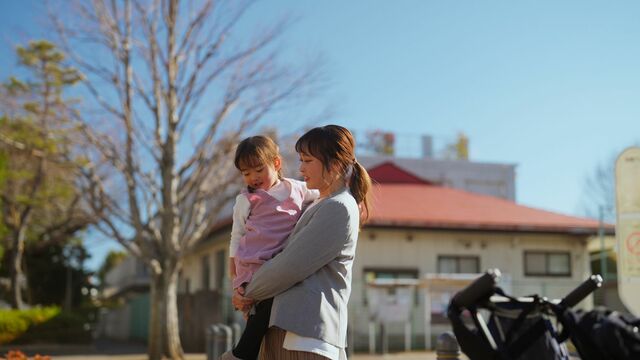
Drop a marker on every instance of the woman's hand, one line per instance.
(240, 302)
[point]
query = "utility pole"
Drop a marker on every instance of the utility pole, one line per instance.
(603, 250)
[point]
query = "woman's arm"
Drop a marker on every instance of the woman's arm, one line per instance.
(314, 246)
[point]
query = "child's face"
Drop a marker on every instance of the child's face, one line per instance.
(263, 176)
(313, 172)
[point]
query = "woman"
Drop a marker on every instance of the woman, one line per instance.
(310, 279)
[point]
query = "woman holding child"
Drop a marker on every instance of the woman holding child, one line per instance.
(309, 281)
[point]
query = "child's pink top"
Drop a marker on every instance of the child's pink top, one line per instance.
(269, 224)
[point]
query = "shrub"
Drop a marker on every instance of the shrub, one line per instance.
(15, 323)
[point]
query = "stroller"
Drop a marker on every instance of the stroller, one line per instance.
(534, 327)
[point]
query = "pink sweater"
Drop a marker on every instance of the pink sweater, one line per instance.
(268, 226)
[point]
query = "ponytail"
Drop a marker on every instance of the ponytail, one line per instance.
(360, 185)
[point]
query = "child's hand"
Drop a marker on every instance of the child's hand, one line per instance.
(232, 268)
(240, 302)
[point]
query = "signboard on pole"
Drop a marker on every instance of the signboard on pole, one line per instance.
(628, 227)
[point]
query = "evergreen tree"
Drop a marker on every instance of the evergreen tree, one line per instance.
(41, 204)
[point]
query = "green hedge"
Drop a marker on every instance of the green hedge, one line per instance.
(15, 323)
(46, 325)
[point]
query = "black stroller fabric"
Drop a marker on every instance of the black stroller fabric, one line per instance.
(527, 331)
(521, 332)
(602, 334)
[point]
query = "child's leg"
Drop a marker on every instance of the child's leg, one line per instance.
(249, 345)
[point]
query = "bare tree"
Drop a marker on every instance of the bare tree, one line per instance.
(599, 191)
(177, 85)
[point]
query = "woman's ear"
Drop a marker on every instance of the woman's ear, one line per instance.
(334, 169)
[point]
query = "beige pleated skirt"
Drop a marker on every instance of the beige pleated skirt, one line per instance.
(271, 348)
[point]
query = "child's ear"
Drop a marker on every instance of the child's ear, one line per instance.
(277, 163)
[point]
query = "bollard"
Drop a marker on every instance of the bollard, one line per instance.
(237, 332)
(447, 347)
(210, 342)
(219, 339)
(226, 338)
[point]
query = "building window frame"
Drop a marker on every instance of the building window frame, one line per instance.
(547, 268)
(411, 273)
(457, 259)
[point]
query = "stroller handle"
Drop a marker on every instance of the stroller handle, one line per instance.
(582, 291)
(478, 289)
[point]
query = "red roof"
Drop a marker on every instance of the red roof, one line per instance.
(390, 173)
(427, 206)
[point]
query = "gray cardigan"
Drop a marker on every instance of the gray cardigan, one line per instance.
(310, 280)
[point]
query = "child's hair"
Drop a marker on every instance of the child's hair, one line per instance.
(334, 145)
(255, 151)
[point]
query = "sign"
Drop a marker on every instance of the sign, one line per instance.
(628, 227)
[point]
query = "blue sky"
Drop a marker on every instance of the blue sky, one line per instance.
(552, 86)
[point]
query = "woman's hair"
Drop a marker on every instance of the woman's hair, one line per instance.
(255, 151)
(334, 145)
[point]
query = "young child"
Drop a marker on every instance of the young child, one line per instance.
(264, 215)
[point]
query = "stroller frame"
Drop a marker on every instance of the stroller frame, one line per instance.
(502, 344)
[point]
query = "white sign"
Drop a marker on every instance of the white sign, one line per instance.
(628, 227)
(390, 304)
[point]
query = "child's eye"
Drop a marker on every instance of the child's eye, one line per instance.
(259, 169)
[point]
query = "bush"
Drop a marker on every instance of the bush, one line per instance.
(64, 328)
(15, 323)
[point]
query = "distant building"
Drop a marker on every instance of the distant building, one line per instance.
(128, 284)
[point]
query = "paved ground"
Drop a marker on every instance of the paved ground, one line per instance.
(112, 350)
(402, 356)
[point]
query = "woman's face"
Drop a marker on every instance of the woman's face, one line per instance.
(313, 173)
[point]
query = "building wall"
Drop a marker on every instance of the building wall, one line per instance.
(216, 253)
(482, 178)
(417, 250)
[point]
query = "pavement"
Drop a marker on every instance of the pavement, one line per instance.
(399, 356)
(112, 350)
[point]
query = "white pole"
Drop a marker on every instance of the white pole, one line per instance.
(407, 336)
(427, 319)
(372, 337)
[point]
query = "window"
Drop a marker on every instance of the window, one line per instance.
(547, 263)
(372, 274)
(381, 273)
(205, 272)
(458, 264)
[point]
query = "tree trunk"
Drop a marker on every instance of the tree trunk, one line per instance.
(164, 335)
(17, 276)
